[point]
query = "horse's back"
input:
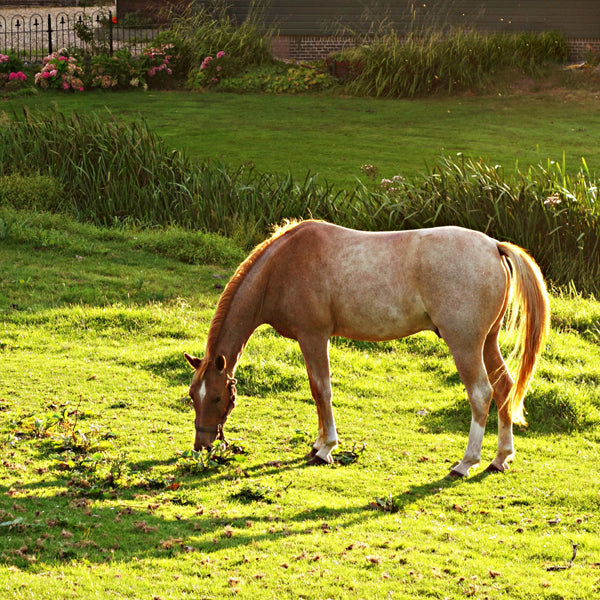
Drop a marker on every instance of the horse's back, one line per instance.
(384, 285)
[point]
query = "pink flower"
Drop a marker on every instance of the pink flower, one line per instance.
(219, 68)
(220, 54)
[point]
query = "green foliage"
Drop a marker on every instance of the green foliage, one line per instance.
(425, 63)
(193, 247)
(279, 78)
(219, 455)
(212, 70)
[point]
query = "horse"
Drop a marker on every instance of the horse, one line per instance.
(312, 280)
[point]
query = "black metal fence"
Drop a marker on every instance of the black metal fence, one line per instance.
(34, 36)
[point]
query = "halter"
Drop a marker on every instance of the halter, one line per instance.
(231, 383)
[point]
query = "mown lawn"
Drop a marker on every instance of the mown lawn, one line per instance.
(336, 136)
(100, 497)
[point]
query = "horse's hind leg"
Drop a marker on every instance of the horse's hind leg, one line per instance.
(502, 383)
(316, 357)
(469, 362)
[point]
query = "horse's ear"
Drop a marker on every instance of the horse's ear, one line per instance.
(193, 360)
(220, 363)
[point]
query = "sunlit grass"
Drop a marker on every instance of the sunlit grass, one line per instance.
(100, 504)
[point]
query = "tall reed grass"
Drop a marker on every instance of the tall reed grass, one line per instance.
(113, 172)
(423, 63)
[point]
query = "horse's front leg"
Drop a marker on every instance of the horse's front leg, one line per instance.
(316, 357)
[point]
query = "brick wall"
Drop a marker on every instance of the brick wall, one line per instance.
(579, 49)
(312, 47)
(315, 47)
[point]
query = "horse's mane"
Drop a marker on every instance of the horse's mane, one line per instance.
(237, 279)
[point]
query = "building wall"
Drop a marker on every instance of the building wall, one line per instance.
(311, 29)
(574, 18)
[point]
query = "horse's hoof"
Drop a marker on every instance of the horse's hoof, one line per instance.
(317, 460)
(454, 474)
(492, 468)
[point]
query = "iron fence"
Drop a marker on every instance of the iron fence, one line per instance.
(33, 36)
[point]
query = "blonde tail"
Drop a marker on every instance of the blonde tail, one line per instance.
(530, 317)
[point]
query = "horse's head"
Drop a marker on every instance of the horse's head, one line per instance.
(213, 393)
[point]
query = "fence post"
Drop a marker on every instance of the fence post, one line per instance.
(110, 32)
(49, 34)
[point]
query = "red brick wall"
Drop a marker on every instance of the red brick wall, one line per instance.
(315, 47)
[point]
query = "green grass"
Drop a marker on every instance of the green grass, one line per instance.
(98, 499)
(335, 136)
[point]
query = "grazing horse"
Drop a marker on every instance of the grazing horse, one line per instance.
(313, 280)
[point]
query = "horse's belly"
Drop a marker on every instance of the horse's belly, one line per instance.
(377, 321)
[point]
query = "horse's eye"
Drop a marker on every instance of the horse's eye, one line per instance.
(217, 399)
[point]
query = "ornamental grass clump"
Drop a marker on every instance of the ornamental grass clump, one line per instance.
(421, 64)
(60, 70)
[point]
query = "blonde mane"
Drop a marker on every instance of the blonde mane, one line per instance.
(238, 277)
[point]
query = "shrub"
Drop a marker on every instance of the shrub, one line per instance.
(202, 31)
(11, 74)
(279, 78)
(114, 72)
(61, 71)
(212, 70)
(32, 192)
(122, 70)
(156, 64)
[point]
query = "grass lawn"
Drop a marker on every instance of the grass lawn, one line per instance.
(99, 499)
(100, 496)
(335, 136)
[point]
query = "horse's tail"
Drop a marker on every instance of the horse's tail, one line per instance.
(529, 317)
